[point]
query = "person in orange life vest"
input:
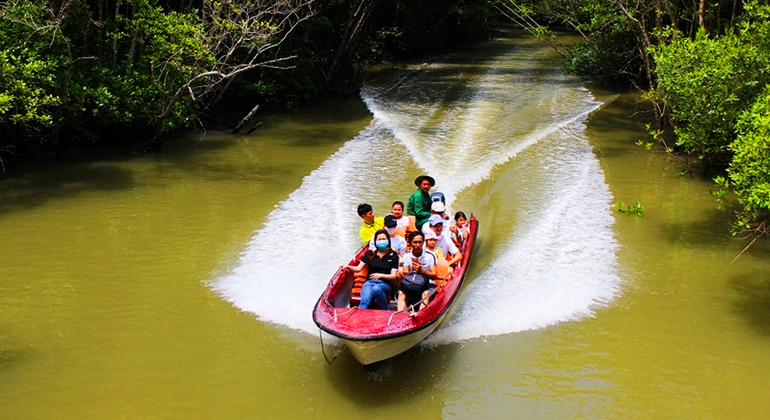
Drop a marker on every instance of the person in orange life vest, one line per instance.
(430, 245)
(371, 224)
(383, 271)
(448, 249)
(397, 209)
(418, 267)
(397, 242)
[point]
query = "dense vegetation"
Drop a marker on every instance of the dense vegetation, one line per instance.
(704, 64)
(75, 72)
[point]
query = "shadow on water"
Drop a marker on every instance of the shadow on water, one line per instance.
(412, 374)
(753, 300)
(703, 232)
(621, 124)
(39, 185)
(33, 184)
(11, 354)
(11, 357)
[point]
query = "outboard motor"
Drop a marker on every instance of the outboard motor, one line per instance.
(438, 196)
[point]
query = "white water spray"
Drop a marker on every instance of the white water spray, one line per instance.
(555, 268)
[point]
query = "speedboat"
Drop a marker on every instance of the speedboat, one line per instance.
(373, 335)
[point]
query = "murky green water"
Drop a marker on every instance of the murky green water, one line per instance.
(146, 287)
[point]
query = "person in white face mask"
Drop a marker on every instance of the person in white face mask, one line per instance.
(397, 243)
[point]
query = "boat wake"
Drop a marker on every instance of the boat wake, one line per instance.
(464, 125)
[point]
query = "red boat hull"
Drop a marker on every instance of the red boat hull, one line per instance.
(373, 334)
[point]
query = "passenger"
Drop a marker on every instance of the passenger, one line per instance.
(371, 224)
(397, 241)
(397, 209)
(417, 267)
(460, 231)
(430, 243)
(382, 265)
(448, 249)
(419, 202)
(443, 269)
(437, 207)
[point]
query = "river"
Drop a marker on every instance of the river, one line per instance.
(180, 284)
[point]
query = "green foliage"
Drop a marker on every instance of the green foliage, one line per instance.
(749, 170)
(609, 54)
(636, 209)
(707, 83)
(29, 70)
(171, 48)
(409, 28)
(716, 89)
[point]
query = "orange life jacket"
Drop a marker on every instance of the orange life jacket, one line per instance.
(443, 274)
(400, 231)
(412, 224)
(358, 282)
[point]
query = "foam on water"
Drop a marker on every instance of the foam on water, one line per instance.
(258, 283)
(556, 267)
(559, 268)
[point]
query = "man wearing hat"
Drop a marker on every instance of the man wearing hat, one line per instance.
(419, 202)
(448, 249)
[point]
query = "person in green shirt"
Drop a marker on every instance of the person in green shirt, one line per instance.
(371, 224)
(419, 202)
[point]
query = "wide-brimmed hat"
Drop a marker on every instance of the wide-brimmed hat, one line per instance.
(419, 179)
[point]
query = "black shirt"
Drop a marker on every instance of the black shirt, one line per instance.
(384, 265)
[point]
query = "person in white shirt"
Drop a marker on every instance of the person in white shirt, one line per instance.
(397, 209)
(447, 247)
(460, 231)
(418, 268)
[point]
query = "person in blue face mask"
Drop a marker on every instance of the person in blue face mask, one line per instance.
(382, 265)
(397, 243)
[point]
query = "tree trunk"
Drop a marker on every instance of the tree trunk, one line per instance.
(702, 15)
(354, 24)
(245, 119)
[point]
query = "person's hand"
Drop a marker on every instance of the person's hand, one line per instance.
(376, 276)
(415, 265)
(453, 229)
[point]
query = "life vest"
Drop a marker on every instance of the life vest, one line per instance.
(400, 231)
(443, 274)
(412, 224)
(359, 279)
(456, 237)
(358, 282)
(437, 252)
